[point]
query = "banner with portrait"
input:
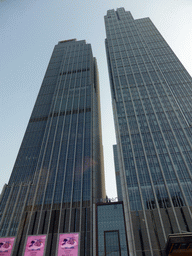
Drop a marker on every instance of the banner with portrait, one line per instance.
(35, 245)
(68, 244)
(6, 245)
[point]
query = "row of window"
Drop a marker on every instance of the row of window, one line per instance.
(75, 71)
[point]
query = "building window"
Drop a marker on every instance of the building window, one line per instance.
(112, 243)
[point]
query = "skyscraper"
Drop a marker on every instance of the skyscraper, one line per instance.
(58, 174)
(152, 106)
(117, 173)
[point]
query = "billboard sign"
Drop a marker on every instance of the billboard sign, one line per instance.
(68, 244)
(35, 245)
(6, 245)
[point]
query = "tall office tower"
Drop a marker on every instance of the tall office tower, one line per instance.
(152, 106)
(58, 174)
(117, 173)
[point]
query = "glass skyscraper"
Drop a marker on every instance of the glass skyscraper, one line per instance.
(152, 106)
(117, 173)
(58, 174)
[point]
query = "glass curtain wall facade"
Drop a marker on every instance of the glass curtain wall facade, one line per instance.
(111, 231)
(58, 173)
(117, 173)
(152, 106)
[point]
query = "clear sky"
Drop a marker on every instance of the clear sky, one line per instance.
(29, 29)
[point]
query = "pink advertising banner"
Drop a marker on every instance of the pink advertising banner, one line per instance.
(6, 245)
(68, 244)
(35, 245)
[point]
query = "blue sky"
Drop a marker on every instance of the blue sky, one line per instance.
(30, 29)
